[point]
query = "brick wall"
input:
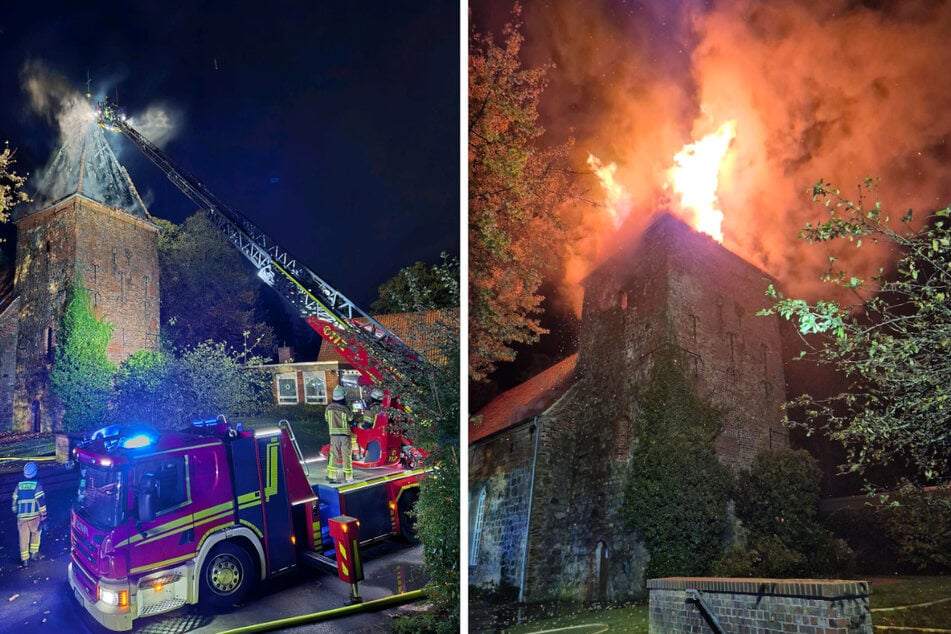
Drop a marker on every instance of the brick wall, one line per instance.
(765, 606)
(115, 256)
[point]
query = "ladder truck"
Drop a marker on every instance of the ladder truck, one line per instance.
(372, 349)
(165, 519)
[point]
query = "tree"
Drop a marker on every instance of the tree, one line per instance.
(515, 189)
(11, 184)
(210, 379)
(431, 394)
(143, 389)
(420, 286)
(81, 376)
(208, 291)
(890, 345)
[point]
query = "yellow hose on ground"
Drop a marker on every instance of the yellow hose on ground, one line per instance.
(346, 610)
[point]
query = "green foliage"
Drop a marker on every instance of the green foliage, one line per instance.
(419, 287)
(142, 391)
(919, 525)
(778, 496)
(208, 290)
(437, 525)
(81, 376)
(210, 379)
(891, 347)
(677, 490)
(777, 499)
(430, 394)
(516, 187)
(201, 382)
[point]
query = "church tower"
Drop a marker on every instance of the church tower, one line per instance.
(87, 225)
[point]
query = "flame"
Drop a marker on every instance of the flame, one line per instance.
(696, 176)
(617, 198)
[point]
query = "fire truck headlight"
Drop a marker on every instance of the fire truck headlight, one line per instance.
(118, 598)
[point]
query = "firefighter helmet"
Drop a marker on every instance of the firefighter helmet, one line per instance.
(29, 470)
(339, 393)
(376, 394)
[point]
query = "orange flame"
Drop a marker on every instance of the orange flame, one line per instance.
(696, 176)
(617, 199)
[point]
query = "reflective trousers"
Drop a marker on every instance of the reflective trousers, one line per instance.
(29, 537)
(341, 448)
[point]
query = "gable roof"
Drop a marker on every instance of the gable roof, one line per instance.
(85, 165)
(524, 401)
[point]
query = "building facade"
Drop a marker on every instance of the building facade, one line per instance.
(87, 227)
(549, 460)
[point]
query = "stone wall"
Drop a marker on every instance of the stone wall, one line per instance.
(9, 321)
(677, 288)
(766, 606)
(580, 548)
(115, 257)
(500, 472)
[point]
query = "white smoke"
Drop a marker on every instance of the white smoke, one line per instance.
(159, 123)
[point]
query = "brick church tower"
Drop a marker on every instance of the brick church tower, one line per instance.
(680, 292)
(87, 226)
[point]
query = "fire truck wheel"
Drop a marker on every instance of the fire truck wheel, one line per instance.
(226, 576)
(407, 522)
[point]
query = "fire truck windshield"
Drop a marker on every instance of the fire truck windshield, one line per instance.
(100, 497)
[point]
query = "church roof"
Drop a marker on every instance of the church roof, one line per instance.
(85, 165)
(524, 401)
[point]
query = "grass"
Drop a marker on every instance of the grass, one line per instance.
(924, 605)
(626, 620)
(931, 595)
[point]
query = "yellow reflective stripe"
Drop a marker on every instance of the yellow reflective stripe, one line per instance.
(249, 499)
(270, 486)
(181, 524)
(257, 531)
(312, 297)
(162, 564)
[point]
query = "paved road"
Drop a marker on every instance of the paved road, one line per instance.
(39, 599)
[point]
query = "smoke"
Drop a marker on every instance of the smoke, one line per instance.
(56, 101)
(820, 89)
(159, 123)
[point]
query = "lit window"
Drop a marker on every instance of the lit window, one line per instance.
(286, 389)
(315, 387)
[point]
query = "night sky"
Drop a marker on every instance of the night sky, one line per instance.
(333, 126)
(838, 90)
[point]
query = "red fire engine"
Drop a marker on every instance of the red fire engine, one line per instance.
(165, 519)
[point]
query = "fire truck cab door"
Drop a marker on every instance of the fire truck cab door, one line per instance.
(262, 497)
(168, 536)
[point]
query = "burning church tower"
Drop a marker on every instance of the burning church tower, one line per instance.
(548, 460)
(87, 226)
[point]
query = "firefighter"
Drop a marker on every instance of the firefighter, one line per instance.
(29, 504)
(339, 418)
(375, 408)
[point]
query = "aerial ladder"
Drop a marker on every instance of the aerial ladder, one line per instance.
(371, 348)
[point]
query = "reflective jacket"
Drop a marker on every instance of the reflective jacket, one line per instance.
(29, 500)
(338, 419)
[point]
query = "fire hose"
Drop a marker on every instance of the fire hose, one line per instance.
(376, 604)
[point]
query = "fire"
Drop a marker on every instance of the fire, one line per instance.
(696, 176)
(617, 198)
